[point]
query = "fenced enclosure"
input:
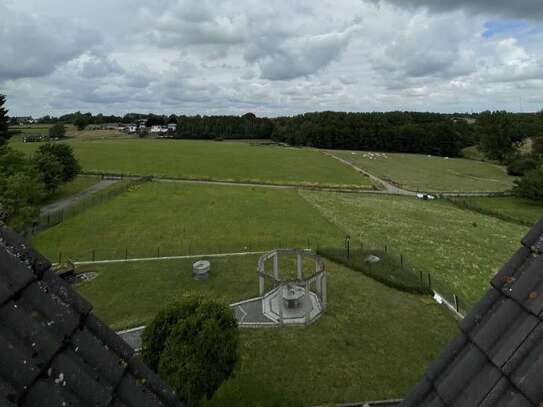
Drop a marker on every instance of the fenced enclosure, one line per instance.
(50, 219)
(393, 269)
(163, 250)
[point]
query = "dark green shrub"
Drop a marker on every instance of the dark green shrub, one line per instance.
(193, 346)
(521, 166)
(388, 270)
(57, 131)
(530, 186)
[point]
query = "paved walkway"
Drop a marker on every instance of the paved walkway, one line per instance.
(73, 199)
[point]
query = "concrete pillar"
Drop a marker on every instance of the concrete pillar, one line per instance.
(260, 284)
(280, 302)
(306, 299)
(276, 266)
(299, 266)
(323, 295)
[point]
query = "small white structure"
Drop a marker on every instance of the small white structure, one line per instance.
(299, 301)
(132, 128)
(200, 270)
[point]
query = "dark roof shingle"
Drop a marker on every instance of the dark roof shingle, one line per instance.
(55, 352)
(497, 359)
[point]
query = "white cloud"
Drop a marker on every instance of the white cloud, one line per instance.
(273, 58)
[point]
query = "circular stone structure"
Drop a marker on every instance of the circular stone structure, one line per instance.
(284, 300)
(292, 295)
(200, 270)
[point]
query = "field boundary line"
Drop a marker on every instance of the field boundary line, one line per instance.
(391, 189)
(240, 183)
(140, 259)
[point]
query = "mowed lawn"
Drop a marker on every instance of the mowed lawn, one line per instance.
(432, 174)
(372, 343)
(195, 159)
(521, 210)
(461, 248)
(180, 219)
(79, 184)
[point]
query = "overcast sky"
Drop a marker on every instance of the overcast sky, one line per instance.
(271, 58)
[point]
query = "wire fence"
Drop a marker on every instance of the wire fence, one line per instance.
(467, 204)
(393, 269)
(49, 219)
(184, 247)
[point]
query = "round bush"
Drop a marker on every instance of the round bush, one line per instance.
(193, 346)
(521, 166)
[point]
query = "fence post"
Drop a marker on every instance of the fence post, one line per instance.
(420, 275)
(401, 260)
(59, 257)
(429, 282)
(93, 255)
(386, 249)
(158, 251)
(126, 253)
(456, 306)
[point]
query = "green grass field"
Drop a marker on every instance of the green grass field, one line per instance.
(235, 161)
(460, 248)
(517, 209)
(79, 184)
(433, 174)
(372, 343)
(182, 218)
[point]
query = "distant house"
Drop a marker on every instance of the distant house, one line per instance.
(24, 120)
(159, 129)
(131, 128)
(172, 127)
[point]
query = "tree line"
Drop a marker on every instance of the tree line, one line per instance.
(27, 182)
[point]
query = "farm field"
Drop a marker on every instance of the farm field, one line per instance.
(461, 248)
(79, 184)
(183, 219)
(522, 210)
(195, 159)
(432, 174)
(372, 343)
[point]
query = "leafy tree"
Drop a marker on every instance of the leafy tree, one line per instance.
(521, 166)
(63, 154)
(537, 145)
(21, 189)
(20, 195)
(80, 122)
(4, 121)
(530, 186)
(50, 170)
(57, 131)
(193, 346)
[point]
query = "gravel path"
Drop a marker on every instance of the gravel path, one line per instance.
(392, 189)
(71, 200)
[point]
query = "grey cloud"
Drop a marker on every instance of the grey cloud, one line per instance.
(528, 9)
(34, 47)
(288, 58)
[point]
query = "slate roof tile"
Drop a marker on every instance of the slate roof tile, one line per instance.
(503, 394)
(54, 351)
(497, 360)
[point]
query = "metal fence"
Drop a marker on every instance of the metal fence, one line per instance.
(185, 247)
(398, 273)
(47, 220)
